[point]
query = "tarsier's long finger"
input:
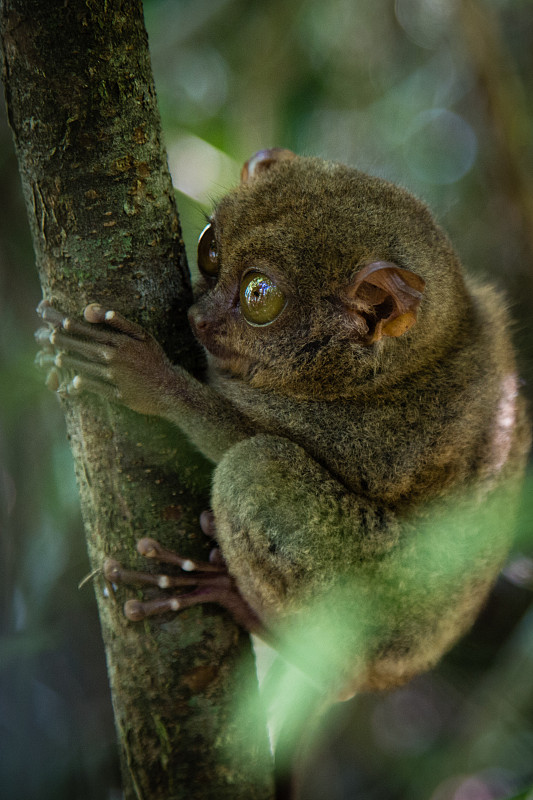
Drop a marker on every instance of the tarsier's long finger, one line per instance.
(42, 337)
(48, 361)
(73, 326)
(45, 359)
(207, 524)
(53, 380)
(210, 588)
(136, 610)
(115, 573)
(93, 351)
(87, 368)
(96, 313)
(149, 548)
(81, 384)
(49, 314)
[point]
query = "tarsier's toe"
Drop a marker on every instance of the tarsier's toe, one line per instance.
(42, 337)
(207, 523)
(217, 559)
(44, 304)
(134, 610)
(149, 548)
(112, 570)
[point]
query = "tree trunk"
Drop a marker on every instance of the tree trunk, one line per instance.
(82, 106)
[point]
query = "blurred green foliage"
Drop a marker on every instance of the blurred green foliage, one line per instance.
(393, 88)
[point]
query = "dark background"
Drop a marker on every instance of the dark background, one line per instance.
(404, 90)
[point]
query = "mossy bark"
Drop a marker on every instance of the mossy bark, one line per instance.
(82, 106)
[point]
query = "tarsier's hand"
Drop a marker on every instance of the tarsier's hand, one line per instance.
(107, 355)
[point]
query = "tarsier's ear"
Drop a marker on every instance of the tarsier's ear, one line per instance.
(263, 160)
(386, 296)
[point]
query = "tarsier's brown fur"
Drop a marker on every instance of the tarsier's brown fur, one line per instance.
(364, 458)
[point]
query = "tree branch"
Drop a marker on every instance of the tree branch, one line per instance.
(503, 97)
(82, 106)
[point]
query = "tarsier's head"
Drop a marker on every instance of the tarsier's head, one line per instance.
(316, 277)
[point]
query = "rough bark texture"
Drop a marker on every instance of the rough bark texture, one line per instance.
(82, 107)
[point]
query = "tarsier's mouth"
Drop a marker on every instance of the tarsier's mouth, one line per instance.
(228, 359)
(220, 352)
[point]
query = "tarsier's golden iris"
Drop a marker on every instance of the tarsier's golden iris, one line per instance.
(260, 299)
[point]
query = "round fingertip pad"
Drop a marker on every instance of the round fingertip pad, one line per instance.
(94, 313)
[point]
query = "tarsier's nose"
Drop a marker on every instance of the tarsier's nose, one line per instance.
(198, 322)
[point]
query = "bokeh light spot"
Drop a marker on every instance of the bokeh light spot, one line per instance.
(440, 146)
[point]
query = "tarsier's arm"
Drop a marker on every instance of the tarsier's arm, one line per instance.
(118, 360)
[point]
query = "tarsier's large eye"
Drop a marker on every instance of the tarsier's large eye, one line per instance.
(261, 300)
(208, 252)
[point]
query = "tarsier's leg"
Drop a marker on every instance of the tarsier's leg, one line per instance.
(300, 547)
(338, 570)
(211, 582)
(287, 528)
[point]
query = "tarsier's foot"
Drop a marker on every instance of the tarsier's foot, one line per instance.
(212, 582)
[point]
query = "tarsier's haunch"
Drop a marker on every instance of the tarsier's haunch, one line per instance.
(361, 405)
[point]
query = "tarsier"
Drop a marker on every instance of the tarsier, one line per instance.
(361, 406)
